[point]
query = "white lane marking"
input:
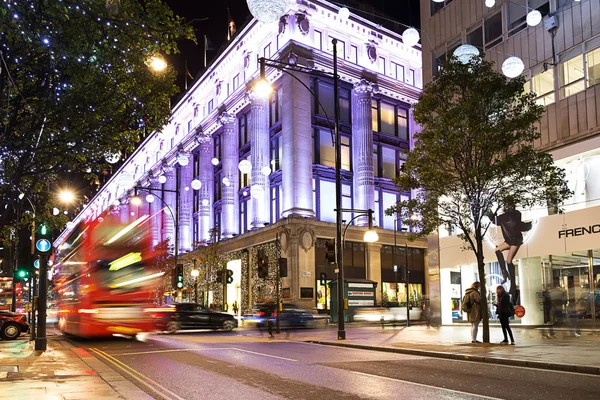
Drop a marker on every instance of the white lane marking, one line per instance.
(423, 385)
(261, 354)
(167, 351)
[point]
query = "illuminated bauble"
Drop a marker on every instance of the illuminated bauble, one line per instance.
(466, 53)
(112, 158)
(214, 161)
(205, 202)
(162, 179)
(226, 181)
(267, 10)
(183, 159)
(534, 18)
(196, 184)
(512, 67)
(438, 1)
(150, 198)
(410, 37)
(490, 3)
(344, 13)
(256, 191)
(245, 166)
(70, 225)
(266, 170)
(55, 211)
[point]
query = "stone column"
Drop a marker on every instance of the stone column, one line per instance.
(186, 196)
(259, 157)
(297, 147)
(169, 206)
(229, 143)
(206, 193)
(155, 214)
(362, 149)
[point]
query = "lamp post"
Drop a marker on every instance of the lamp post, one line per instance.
(263, 89)
(195, 274)
(407, 279)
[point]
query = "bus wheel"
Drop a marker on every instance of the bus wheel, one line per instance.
(172, 327)
(10, 331)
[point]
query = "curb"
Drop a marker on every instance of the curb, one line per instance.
(581, 369)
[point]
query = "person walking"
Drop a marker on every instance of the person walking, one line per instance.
(471, 304)
(504, 312)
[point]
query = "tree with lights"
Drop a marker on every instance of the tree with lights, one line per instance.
(475, 158)
(76, 88)
(208, 262)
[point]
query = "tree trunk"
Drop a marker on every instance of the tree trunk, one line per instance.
(483, 288)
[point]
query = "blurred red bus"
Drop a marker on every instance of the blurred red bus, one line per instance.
(106, 279)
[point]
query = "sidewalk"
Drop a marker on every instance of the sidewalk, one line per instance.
(565, 353)
(62, 372)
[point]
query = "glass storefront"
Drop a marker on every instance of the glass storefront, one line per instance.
(394, 294)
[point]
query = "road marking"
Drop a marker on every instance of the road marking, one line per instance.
(423, 385)
(168, 351)
(261, 354)
(154, 386)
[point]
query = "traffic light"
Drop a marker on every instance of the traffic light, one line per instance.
(262, 264)
(43, 230)
(283, 267)
(330, 251)
(219, 276)
(229, 278)
(323, 278)
(179, 276)
(21, 275)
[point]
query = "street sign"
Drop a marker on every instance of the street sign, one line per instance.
(36, 264)
(520, 311)
(43, 245)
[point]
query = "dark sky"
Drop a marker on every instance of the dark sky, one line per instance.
(405, 11)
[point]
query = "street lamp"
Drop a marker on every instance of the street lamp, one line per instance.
(407, 275)
(195, 274)
(261, 88)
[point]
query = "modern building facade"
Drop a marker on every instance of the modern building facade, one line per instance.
(559, 264)
(261, 171)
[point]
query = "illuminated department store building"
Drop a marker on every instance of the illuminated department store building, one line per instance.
(266, 167)
(562, 249)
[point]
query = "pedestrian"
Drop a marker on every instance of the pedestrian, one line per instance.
(504, 310)
(471, 304)
(235, 307)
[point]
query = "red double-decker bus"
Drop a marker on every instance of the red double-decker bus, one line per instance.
(105, 278)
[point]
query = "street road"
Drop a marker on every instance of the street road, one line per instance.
(246, 365)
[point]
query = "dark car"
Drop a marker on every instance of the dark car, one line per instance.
(12, 325)
(180, 316)
(291, 315)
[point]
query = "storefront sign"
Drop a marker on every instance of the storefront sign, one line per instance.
(360, 285)
(582, 230)
(361, 302)
(519, 311)
(306, 274)
(360, 293)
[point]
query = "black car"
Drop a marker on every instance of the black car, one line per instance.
(12, 325)
(180, 316)
(291, 315)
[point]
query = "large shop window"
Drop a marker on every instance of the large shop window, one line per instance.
(327, 200)
(543, 86)
(580, 68)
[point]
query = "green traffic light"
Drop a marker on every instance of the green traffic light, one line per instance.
(22, 274)
(43, 230)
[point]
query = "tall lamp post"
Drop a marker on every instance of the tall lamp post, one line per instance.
(263, 88)
(407, 277)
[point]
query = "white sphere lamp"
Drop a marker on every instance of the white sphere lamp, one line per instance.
(490, 3)
(466, 53)
(266, 170)
(512, 67)
(534, 18)
(162, 179)
(112, 158)
(257, 191)
(410, 37)
(344, 13)
(245, 166)
(204, 202)
(196, 184)
(214, 161)
(70, 225)
(267, 11)
(183, 159)
(150, 198)
(226, 181)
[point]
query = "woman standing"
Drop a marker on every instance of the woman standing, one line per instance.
(504, 311)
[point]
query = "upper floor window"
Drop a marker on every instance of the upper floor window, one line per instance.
(542, 85)
(217, 146)
(381, 65)
(580, 68)
(276, 153)
(275, 107)
(267, 51)
(236, 81)
(493, 30)
(210, 106)
(354, 54)
(436, 6)
(389, 119)
(398, 71)
(325, 98)
(341, 48)
(189, 126)
(326, 150)
(318, 39)
(517, 10)
(243, 129)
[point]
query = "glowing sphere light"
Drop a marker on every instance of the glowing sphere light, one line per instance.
(214, 161)
(534, 18)
(466, 53)
(196, 184)
(490, 3)
(344, 13)
(245, 166)
(162, 179)
(410, 37)
(267, 11)
(512, 67)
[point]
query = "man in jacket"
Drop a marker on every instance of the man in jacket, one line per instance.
(472, 306)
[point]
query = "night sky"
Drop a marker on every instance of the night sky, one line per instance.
(404, 11)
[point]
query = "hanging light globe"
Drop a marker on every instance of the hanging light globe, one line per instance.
(466, 53)
(205, 202)
(512, 67)
(196, 184)
(226, 181)
(162, 179)
(344, 13)
(266, 170)
(490, 3)
(534, 18)
(267, 11)
(256, 191)
(150, 198)
(183, 159)
(438, 1)
(70, 225)
(245, 166)
(214, 161)
(112, 158)
(410, 37)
